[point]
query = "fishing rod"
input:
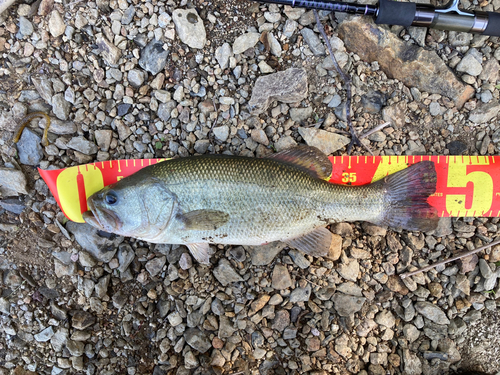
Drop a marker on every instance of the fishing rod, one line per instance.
(450, 17)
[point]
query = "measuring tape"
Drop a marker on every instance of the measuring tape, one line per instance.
(466, 185)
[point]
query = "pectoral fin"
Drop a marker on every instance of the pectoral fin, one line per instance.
(200, 251)
(204, 219)
(316, 243)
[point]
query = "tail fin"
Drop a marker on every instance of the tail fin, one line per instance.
(406, 198)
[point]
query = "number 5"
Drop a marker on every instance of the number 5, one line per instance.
(482, 193)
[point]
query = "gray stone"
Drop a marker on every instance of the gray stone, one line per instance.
(327, 142)
(197, 340)
(471, 63)
(222, 55)
(109, 52)
(485, 269)
(411, 363)
(301, 294)
(128, 15)
(103, 139)
(136, 77)
(125, 256)
(347, 305)
(221, 133)
(56, 24)
(59, 339)
(102, 248)
(155, 265)
(60, 106)
(299, 259)
(190, 27)
(300, 114)
(281, 277)
(285, 143)
(244, 42)
(165, 110)
(313, 41)
(349, 271)
(25, 27)
(82, 145)
(264, 255)
(153, 57)
(484, 113)
(385, 318)
(4, 306)
(44, 87)
(411, 332)
(44, 335)
(75, 348)
(29, 148)
(186, 262)
(289, 86)
(82, 319)
(432, 312)
(421, 68)
(225, 273)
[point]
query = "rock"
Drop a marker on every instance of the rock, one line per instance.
(25, 27)
(109, 52)
(82, 145)
(61, 107)
(313, 41)
(44, 87)
(221, 133)
(82, 319)
(289, 86)
(155, 265)
(258, 304)
(244, 42)
(432, 312)
(197, 340)
(4, 306)
(299, 259)
(102, 248)
(485, 269)
(103, 139)
(300, 114)
(136, 78)
(190, 27)
(281, 278)
(301, 294)
(395, 114)
(125, 256)
(222, 55)
(349, 271)
(185, 262)
(373, 101)
(411, 363)
(44, 335)
(374, 230)
(285, 143)
(281, 320)
(225, 273)
(75, 348)
(456, 147)
(59, 339)
(153, 57)
(264, 255)
(29, 148)
(327, 142)
(484, 113)
(14, 205)
(412, 65)
(346, 305)
(259, 136)
(385, 318)
(471, 63)
(56, 24)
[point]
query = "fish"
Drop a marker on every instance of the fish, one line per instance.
(222, 199)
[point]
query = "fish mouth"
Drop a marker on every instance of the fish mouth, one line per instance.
(102, 218)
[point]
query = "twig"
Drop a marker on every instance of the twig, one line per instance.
(374, 130)
(459, 256)
(347, 81)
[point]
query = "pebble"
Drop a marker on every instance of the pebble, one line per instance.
(13, 180)
(221, 133)
(327, 142)
(56, 24)
(281, 278)
(471, 63)
(154, 57)
(29, 148)
(190, 27)
(222, 55)
(346, 305)
(432, 312)
(225, 273)
(244, 42)
(44, 335)
(155, 265)
(313, 41)
(197, 340)
(61, 107)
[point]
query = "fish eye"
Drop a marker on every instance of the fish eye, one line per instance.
(111, 198)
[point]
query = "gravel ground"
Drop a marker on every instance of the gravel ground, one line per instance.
(127, 79)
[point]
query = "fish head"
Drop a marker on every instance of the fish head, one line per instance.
(132, 208)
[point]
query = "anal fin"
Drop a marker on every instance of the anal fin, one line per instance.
(316, 243)
(201, 252)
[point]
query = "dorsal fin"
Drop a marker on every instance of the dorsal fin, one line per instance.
(307, 158)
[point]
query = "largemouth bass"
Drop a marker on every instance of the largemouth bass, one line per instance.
(220, 199)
